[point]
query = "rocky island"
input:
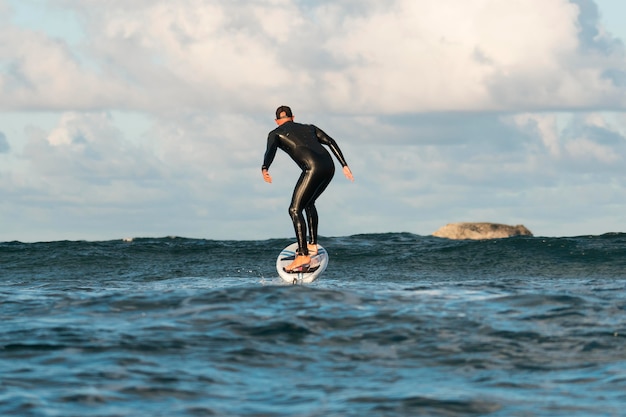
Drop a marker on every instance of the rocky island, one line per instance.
(481, 231)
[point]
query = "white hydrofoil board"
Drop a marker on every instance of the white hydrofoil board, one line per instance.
(318, 264)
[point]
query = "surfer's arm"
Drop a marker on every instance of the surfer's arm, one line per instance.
(324, 139)
(270, 153)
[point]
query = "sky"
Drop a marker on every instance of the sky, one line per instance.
(147, 119)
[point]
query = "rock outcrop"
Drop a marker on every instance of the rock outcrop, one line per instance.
(481, 231)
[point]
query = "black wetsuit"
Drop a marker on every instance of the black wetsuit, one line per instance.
(303, 143)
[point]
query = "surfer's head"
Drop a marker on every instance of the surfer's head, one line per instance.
(283, 112)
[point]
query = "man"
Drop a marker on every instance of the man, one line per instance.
(303, 143)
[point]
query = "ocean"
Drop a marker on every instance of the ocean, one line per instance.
(398, 325)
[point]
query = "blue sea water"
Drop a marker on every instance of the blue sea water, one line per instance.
(398, 325)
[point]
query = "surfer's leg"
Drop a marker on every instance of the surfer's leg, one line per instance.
(299, 226)
(296, 207)
(311, 210)
(311, 220)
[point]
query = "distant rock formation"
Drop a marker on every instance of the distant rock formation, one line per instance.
(481, 231)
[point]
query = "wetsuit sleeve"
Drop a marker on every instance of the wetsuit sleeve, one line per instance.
(324, 139)
(270, 152)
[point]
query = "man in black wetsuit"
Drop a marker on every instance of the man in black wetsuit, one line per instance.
(303, 143)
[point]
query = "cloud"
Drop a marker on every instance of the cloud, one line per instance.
(46, 74)
(587, 144)
(190, 168)
(201, 172)
(435, 55)
(88, 147)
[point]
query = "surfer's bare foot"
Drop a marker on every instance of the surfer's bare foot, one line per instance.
(301, 260)
(312, 249)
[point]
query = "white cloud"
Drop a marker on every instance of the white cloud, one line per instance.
(87, 147)
(406, 56)
(544, 126)
(441, 55)
(40, 73)
(198, 175)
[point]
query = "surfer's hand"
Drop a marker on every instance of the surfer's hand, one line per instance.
(348, 173)
(266, 176)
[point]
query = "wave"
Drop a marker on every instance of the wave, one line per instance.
(372, 257)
